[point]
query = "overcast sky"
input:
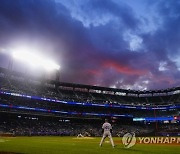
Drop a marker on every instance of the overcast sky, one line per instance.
(131, 44)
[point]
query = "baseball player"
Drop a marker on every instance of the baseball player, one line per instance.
(107, 128)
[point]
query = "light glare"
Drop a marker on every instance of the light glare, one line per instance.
(35, 60)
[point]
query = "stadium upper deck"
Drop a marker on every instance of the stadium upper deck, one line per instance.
(17, 82)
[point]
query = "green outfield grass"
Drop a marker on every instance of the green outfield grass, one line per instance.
(70, 145)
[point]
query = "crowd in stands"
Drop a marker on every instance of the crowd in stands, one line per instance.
(170, 128)
(32, 103)
(29, 126)
(35, 127)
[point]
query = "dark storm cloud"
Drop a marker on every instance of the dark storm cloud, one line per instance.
(98, 42)
(121, 11)
(163, 44)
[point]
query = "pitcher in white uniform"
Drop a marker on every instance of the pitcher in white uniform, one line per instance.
(107, 132)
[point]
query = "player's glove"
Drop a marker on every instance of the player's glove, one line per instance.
(111, 131)
(102, 130)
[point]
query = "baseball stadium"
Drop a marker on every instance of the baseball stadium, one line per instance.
(89, 77)
(47, 116)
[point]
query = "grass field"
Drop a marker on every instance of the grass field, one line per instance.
(70, 145)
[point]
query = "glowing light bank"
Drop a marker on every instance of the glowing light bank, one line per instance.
(34, 59)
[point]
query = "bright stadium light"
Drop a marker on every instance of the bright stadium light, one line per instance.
(34, 60)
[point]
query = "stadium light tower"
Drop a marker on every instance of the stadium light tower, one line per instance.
(35, 60)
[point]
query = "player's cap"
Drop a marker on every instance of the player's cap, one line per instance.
(106, 120)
